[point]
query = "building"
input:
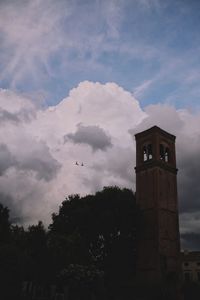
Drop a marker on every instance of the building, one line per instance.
(190, 262)
(158, 244)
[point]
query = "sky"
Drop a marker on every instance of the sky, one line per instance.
(78, 79)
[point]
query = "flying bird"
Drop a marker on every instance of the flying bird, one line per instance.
(82, 165)
(76, 164)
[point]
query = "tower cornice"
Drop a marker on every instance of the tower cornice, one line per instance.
(155, 129)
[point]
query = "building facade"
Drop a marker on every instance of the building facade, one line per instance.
(190, 262)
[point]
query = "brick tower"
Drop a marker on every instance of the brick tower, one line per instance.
(156, 194)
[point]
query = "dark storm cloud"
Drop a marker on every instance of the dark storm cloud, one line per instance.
(93, 136)
(190, 241)
(188, 183)
(188, 149)
(6, 159)
(189, 198)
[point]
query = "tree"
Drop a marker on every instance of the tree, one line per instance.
(37, 251)
(10, 259)
(105, 223)
(4, 224)
(94, 235)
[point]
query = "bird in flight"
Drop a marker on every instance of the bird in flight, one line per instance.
(77, 164)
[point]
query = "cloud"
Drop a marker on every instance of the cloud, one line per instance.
(15, 108)
(162, 115)
(189, 179)
(23, 115)
(6, 159)
(39, 160)
(25, 195)
(19, 148)
(27, 31)
(93, 136)
(191, 241)
(38, 169)
(39, 39)
(139, 90)
(50, 46)
(7, 116)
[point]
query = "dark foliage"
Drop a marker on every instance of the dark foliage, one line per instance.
(4, 224)
(90, 240)
(98, 230)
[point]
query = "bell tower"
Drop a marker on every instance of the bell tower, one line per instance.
(156, 195)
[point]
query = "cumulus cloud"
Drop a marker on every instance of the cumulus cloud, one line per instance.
(6, 116)
(39, 160)
(38, 169)
(15, 108)
(93, 136)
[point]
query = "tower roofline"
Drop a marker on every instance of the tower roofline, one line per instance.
(155, 129)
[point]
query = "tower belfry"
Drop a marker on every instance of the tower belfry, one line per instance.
(156, 195)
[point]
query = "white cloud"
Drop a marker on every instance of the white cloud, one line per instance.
(41, 169)
(139, 90)
(41, 165)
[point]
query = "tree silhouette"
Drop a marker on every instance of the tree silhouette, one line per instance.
(4, 224)
(91, 240)
(105, 224)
